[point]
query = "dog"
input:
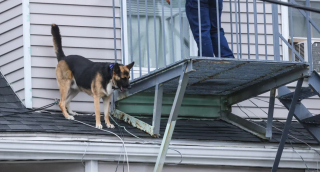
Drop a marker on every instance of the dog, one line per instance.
(76, 73)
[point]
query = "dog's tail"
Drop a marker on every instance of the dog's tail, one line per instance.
(57, 41)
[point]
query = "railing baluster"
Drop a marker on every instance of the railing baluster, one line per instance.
(172, 39)
(248, 32)
(265, 30)
(155, 32)
(218, 28)
(131, 45)
(200, 37)
(293, 56)
(240, 28)
(122, 34)
(235, 7)
(181, 29)
(275, 25)
(309, 37)
(147, 33)
(163, 36)
(139, 36)
(231, 24)
(114, 32)
(256, 28)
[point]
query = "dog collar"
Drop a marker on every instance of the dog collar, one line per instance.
(111, 66)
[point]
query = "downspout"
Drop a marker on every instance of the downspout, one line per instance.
(27, 54)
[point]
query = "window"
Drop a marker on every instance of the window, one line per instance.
(299, 22)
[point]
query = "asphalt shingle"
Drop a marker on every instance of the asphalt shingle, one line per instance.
(185, 128)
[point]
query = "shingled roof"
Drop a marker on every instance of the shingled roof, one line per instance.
(13, 118)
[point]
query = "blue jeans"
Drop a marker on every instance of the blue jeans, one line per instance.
(209, 33)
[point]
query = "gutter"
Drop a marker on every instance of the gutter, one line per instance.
(27, 54)
(215, 153)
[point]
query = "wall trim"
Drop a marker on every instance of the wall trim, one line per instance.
(27, 54)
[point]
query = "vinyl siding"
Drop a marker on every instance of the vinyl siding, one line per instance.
(86, 28)
(11, 44)
(244, 46)
(280, 112)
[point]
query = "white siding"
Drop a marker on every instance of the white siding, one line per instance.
(11, 44)
(86, 28)
(225, 23)
(280, 112)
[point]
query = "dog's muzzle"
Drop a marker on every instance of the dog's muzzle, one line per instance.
(121, 88)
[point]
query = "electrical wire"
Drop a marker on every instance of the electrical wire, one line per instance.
(85, 151)
(312, 148)
(33, 110)
(125, 150)
(55, 103)
(267, 101)
(145, 141)
(277, 120)
(299, 155)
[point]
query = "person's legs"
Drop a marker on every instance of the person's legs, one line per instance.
(192, 15)
(224, 47)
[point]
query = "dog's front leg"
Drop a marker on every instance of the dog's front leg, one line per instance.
(106, 106)
(97, 111)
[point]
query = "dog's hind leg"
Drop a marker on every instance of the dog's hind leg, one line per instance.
(106, 106)
(64, 89)
(71, 94)
(64, 76)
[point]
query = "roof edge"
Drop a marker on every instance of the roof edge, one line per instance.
(216, 154)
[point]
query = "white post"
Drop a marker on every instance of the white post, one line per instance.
(27, 54)
(285, 30)
(91, 166)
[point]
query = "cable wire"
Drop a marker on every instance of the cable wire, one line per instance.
(312, 148)
(145, 141)
(126, 154)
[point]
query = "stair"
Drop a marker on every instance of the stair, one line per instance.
(301, 113)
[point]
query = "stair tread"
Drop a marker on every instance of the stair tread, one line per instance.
(312, 120)
(306, 92)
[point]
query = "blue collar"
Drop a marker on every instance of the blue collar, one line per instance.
(111, 67)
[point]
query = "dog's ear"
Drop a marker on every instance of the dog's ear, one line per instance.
(116, 68)
(129, 66)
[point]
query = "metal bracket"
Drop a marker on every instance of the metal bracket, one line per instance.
(270, 113)
(183, 82)
(134, 122)
(244, 124)
(157, 109)
(287, 125)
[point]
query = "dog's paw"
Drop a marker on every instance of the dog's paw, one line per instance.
(73, 113)
(110, 125)
(98, 126)
(70, 118)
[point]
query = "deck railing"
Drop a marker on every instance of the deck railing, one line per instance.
(155, 34)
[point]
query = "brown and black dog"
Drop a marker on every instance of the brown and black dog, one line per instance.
(76, 73)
